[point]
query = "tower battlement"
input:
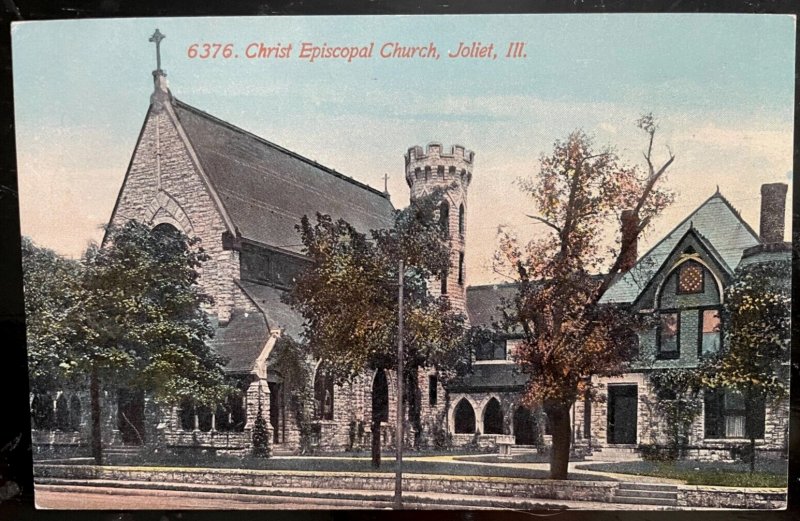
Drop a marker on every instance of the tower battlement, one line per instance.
(432, 166)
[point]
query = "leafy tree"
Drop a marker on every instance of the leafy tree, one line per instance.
(290, 359)
(139, 324)
(53, 296)
(349, 295)
(580, 193)
(756, 319)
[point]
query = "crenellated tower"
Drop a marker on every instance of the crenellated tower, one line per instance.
(434, 168)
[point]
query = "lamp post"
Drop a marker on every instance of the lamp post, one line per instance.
(398, 479)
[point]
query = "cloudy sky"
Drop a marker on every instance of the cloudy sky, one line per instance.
(721, 85)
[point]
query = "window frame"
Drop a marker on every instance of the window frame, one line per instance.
(660, 355)
(700, 312)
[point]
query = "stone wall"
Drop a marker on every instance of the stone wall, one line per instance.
(163, 185)
(600, 491)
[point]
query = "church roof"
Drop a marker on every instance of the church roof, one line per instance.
(279, 315)
(484, 302)
(241, 340)
(267, 189)
(715, 220)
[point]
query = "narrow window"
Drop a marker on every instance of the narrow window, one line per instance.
(587, 418)
(427, 173)
(690, 278)
(669, 336)
(710, 336)
(444, 218)
(440, 172)
(433, 383)
(461, 268)
(444, 284)
(461, 220)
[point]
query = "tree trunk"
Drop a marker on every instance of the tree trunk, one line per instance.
(97, 440)
(376, 445)
(559, 456)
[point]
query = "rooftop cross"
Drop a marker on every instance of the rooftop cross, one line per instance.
(157, 37)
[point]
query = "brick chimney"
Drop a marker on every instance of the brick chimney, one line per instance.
(773, 212)
(630, 232)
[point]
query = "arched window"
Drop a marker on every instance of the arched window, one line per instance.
(187, 415)
(444, 218)
(493, 418)
(62, 413)
(461, 219)
(323, 394)
(75, 413)
(42, 412)
(380, 397)
(464, 418)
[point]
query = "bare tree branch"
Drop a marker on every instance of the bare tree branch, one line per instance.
(545, 221)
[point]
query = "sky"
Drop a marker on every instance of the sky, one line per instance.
(722, 87)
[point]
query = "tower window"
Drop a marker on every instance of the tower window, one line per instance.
(440, 172)
(461, 219)
(427, 173)
(444, 283)
(690, 278)
(444, 218)
(417, 173)
(461, 268)
(451, 172)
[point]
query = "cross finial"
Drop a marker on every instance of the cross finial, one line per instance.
(157, 37)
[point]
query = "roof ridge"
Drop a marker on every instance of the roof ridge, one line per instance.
(291, 153)
(716, 194)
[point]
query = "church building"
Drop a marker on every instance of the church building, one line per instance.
(243, 196)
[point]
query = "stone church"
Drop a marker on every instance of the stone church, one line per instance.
(243, 195)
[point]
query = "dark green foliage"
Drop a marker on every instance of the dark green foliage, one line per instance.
(261, 441)
(767, 474)
(349, 296)
(676, 401)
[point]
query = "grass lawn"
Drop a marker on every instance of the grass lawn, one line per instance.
(767, 473)
(339, 464)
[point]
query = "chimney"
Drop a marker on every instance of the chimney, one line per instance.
(630, 233)
(773, 211)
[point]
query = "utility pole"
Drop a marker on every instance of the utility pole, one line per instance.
(398, 479)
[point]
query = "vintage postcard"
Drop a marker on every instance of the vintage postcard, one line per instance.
(514, 262)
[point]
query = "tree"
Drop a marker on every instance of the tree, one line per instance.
(348, 295)
(580, 193)
(676, 401)
(260, 433)
(53, 295)
(756, 318)
(139, 322)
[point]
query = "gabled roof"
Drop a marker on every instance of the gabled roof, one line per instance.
(241, 340)
(720, 225)
(267, 189)
(279, 315)
(703, 248)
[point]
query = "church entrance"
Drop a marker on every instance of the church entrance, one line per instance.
(276, 412)
(130, 416)
(622, 405)
(524, 427)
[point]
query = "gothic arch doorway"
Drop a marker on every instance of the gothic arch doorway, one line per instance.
(524, 426)
(493, 418)
(464, 418)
